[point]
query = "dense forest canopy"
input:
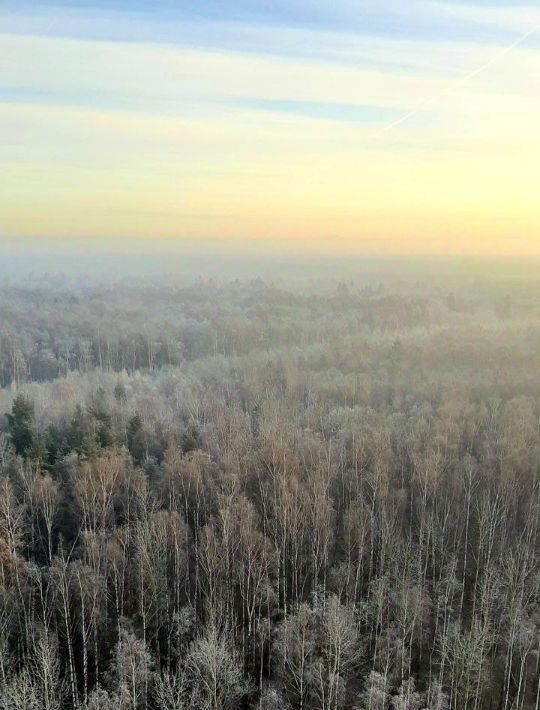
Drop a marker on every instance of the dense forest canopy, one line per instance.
(225, 493)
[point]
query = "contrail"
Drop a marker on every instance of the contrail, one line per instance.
(460, 81)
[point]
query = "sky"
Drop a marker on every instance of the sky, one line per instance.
(365, 126)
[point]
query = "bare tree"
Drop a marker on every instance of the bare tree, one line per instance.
(214, 673)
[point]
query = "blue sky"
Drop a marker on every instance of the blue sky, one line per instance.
(340, 32)
(167, 20)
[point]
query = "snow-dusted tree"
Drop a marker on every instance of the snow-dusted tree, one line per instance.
(376, 695)
(295, 649)
(46, 673)
(132, 671)
(214, 672)
(20, 692)
(407, 698)
(170, 691)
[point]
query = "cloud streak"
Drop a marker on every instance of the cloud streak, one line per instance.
(461, 81)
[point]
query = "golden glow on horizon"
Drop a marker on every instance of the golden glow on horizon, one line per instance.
(461, 178)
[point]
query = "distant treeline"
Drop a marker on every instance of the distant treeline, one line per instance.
(45, 334)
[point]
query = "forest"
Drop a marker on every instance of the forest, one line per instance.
(222, 494)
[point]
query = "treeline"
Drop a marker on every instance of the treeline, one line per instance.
(45, 334)
(348, 524)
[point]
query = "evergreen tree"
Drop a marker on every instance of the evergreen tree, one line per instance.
(20, 423)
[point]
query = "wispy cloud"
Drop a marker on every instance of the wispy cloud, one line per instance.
(328, 111)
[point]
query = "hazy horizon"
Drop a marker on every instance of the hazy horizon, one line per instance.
(284, 264)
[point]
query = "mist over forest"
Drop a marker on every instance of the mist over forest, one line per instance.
(300, 483)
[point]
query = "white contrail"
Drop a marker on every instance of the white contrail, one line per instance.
(460, 81)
